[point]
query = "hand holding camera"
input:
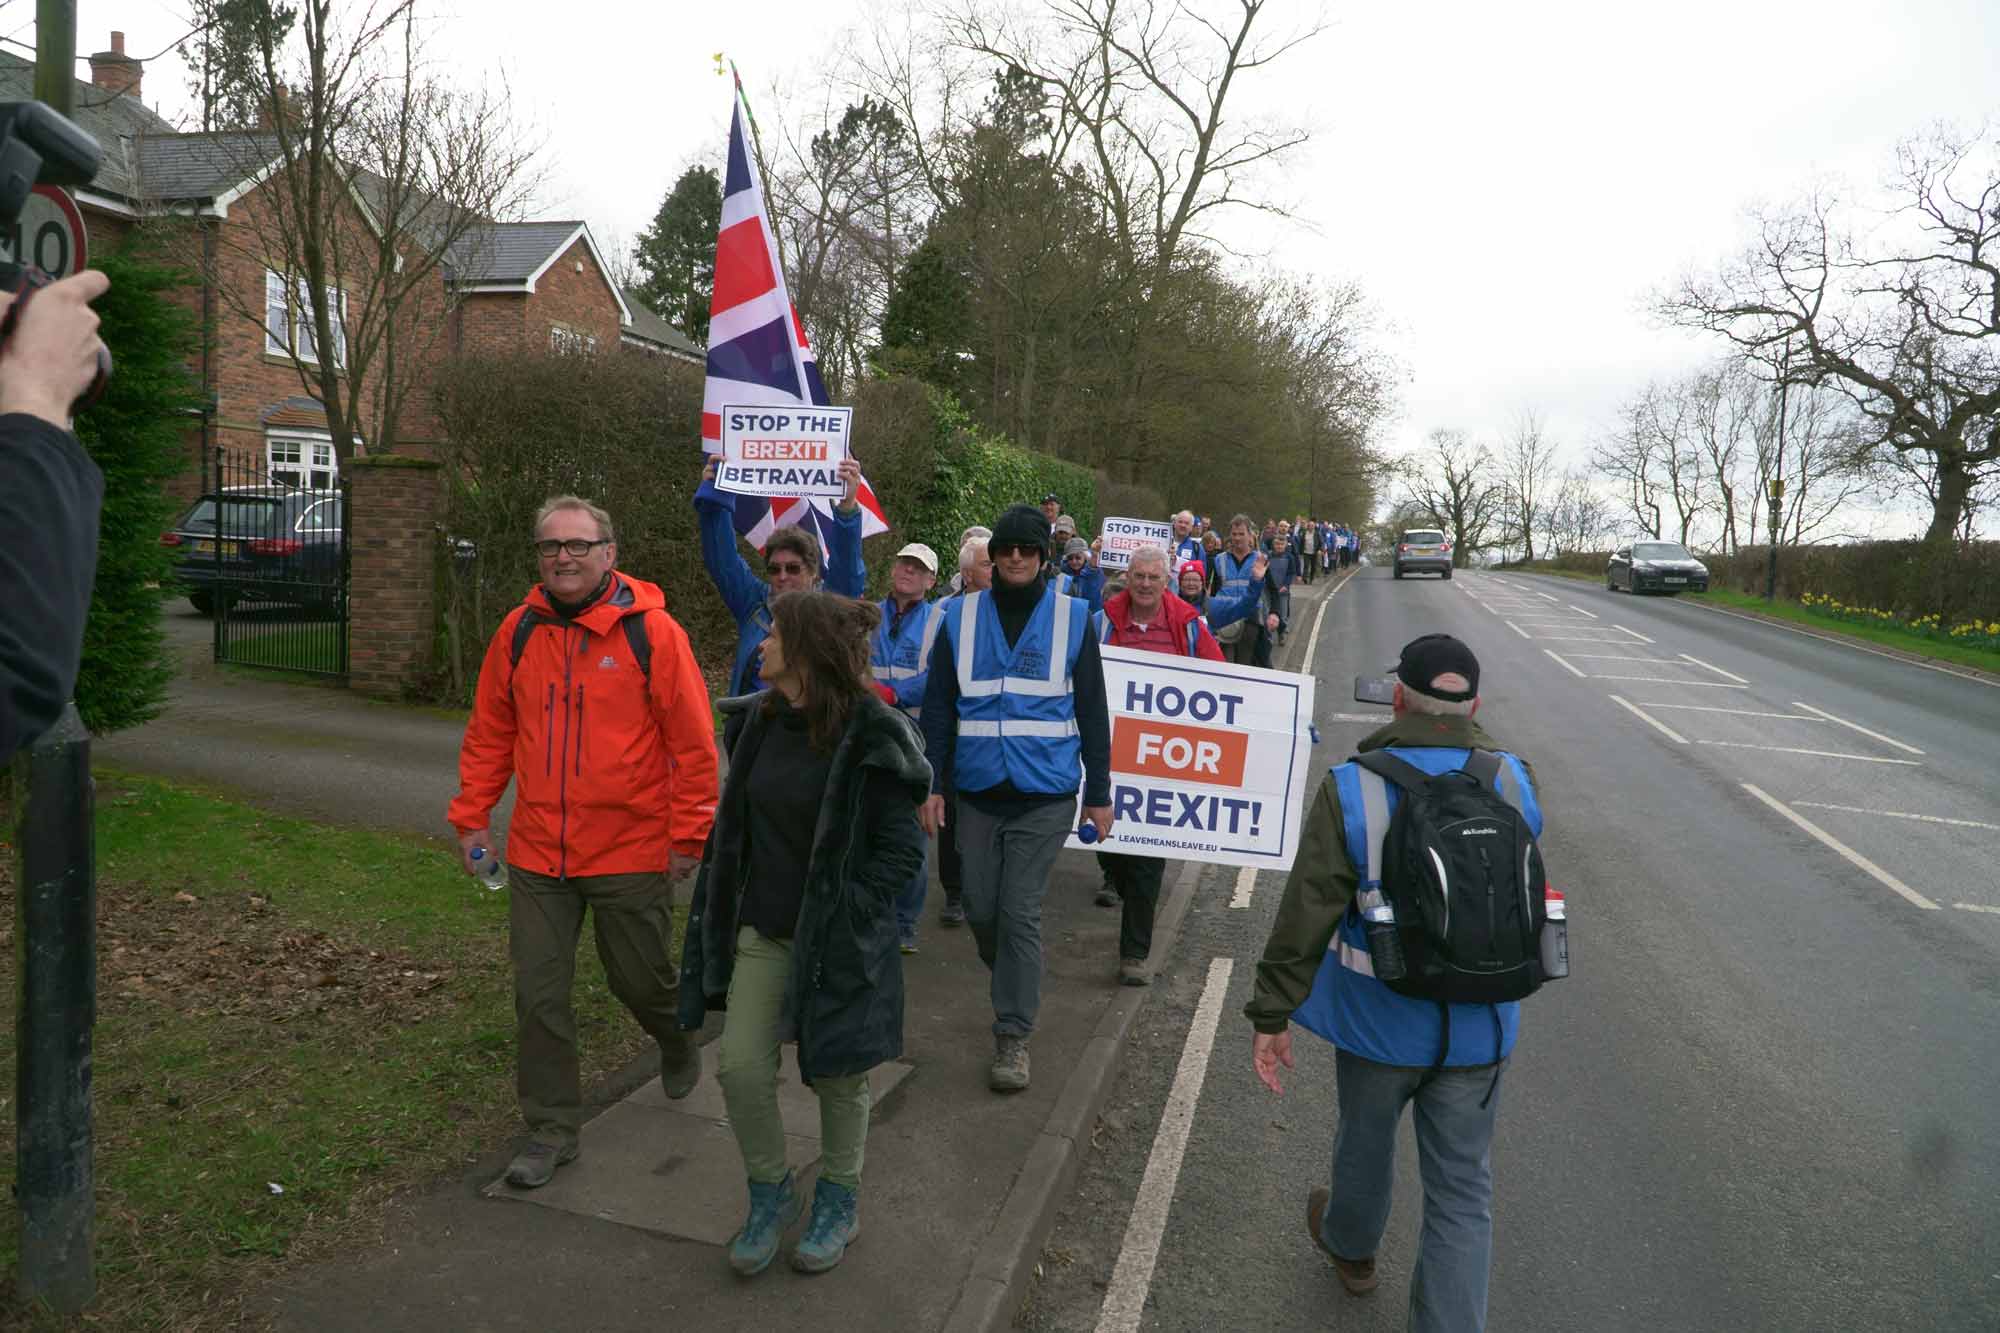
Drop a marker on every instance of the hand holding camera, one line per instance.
(50, 356)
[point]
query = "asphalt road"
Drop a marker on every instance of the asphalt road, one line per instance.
(1766, 1098)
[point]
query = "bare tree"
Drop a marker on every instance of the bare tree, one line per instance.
(1578, 516)
(1903, 318)
(1723, 408)
(1527, 465)
(1629, 458)
(1453, 482)
(378, 176)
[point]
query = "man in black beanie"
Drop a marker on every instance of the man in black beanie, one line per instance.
(1014, 717)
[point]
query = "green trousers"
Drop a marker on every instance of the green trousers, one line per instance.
(748, 1072)
(632, 917)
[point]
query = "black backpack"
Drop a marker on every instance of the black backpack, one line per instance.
(1463, 873)
(635, 635)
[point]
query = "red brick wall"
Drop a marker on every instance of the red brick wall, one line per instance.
(392, 552)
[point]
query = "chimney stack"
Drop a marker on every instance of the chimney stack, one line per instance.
(115, 71)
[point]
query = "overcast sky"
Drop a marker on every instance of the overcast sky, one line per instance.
(1506, 181)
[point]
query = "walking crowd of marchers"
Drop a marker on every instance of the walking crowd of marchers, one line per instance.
(858, 733)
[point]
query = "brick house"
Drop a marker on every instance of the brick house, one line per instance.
(504, 286)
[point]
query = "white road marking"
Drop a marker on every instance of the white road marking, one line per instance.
(1574, 607)
(1821, 754)
(1576, 638)
(1564, 665)
(1552, 599)
(1849, 643)
(1377, 718)
(1649, 720)
(1675, 680)
(1739, 712)
(1517, 629)
(1854, 857)
(1854, 726)
(1312, 640)
(1899, 814)
(1563, 622)
(1977, 907)
(1634, 633)
(1614, 657)
(1727, 675)
(1246, 884)
(1125, 1299)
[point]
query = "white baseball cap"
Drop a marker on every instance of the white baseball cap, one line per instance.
(920, 553)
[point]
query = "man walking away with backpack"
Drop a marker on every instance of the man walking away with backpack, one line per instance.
(1428, 788)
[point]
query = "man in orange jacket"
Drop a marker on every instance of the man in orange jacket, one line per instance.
(590, 701)
(1145, 616)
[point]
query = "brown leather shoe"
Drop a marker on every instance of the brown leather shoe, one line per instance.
(1357, 1275)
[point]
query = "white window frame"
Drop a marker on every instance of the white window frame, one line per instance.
(315, 456)
(303, 346)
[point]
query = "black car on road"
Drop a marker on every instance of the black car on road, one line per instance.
(259, 544)
(1666, 567)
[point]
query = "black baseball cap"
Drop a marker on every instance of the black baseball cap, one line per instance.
(1051, 496)
(1424, 660)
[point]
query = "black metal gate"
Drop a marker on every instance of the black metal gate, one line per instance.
(274, 573)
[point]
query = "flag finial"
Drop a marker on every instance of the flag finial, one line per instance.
(718, 65)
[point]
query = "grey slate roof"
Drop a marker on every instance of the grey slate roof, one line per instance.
(113, 120)
(198, 166)
(648, 325)
(507, 251)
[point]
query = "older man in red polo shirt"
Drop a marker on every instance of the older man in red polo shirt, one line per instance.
(1146, 616)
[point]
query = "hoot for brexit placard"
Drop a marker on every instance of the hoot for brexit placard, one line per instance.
(1208, 760)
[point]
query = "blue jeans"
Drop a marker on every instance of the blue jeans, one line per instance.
(1454, 1142)
(910, 898)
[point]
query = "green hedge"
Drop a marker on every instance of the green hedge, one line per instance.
(623, 430)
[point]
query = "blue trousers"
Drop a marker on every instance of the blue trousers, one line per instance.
(1454, 1143)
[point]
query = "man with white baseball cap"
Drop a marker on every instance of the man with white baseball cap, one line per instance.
(901, 656)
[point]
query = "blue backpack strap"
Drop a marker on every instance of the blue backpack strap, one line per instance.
(1194, 637)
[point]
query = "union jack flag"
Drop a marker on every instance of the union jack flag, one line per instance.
(758, 354)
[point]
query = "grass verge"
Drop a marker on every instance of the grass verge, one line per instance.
(1887, 636)
(294, 1021)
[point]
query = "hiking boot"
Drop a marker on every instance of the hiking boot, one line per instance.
(1357, 1275)
(772, 1209)
(535, 1165)
(1107, 896)
(680, 1066)
(1132, 972)
(953, 912)
(1009, 1072)
(836, 1221)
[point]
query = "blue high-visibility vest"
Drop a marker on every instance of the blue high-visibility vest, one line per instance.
(900, 655)
(1016, 710)
(1347, 1005)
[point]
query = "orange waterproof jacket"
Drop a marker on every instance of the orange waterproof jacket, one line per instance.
(610, 774)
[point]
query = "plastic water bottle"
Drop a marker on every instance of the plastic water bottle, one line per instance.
(489, 869)
(1385, 946)
(1555, 935)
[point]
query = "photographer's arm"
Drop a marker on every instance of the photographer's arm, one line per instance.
(50, 492)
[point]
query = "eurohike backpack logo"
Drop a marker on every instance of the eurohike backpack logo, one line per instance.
(1463, 873)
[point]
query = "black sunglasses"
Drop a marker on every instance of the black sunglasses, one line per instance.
(576, 546)
(1016, 548)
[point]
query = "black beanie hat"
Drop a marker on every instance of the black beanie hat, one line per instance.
(1424, 660)
(1021, 525)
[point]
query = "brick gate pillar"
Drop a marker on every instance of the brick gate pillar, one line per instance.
(392, 579)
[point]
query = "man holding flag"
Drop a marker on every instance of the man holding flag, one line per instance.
(758, 356)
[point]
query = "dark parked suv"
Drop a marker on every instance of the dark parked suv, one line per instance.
(1425, 550)
(1666, 567)
(259, 544)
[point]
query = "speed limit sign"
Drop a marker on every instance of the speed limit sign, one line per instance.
(49, 234)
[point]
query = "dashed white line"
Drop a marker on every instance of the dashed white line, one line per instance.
(1855, 726)
(1246, 884)
(1819, 754)
(1634, 633)
(1377, 718)
(1739, 712)
(1575, 638)
(1899, 814)
(1574, 607)
(1564, 665)
(1518, 630)
(1649, 720)
(1614, 657)
(1675, 680)
(1546, 595)
(1855, 858)
(1977, 907)
(1125, 1299)
(1710, 666)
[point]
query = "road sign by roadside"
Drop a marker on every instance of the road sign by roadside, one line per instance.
(50, 234)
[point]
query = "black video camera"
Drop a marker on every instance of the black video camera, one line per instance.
(40, 146)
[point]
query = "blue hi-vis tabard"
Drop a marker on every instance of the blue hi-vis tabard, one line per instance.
(900, 655)
(1016, 711)
(1359, 1014)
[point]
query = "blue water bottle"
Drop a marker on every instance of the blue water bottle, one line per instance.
(1087, 833)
